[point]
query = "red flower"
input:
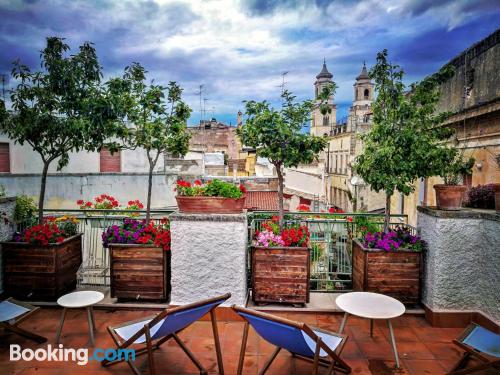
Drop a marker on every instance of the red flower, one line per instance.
(275, 218)
(197, 182)
(88, 204)
(79, 202)
(303, 208)
(349, 219)
(243, 189)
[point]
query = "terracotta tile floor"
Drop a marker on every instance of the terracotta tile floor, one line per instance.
(422, 349)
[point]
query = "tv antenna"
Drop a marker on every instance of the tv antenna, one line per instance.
(283, 82)
(199, 93)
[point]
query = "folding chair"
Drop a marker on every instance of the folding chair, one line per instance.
(311, 344)
(12, 313)
(479, 343)
(153, 331)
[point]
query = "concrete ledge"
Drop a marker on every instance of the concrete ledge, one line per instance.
(464, 213)
(180, 216)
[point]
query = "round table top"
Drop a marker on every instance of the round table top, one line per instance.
(370, 305)
(83, 298)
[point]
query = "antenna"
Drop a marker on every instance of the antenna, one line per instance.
(283, 83)
(201, 108)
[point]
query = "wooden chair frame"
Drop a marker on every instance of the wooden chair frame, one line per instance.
(151, 345)
(14, 326)
(487, 361)
(334, 364)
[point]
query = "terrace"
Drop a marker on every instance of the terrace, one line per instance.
(424, 333)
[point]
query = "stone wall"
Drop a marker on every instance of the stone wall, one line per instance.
(63, 190)
(7, 206)
(462, 267)
(208, 257)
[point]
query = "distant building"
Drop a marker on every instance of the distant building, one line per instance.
(348, 191)
(214, 136)
(321, 125)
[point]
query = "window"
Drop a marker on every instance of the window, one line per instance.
(367, 94)
(4, 157)
(110, 162)
(326, 120)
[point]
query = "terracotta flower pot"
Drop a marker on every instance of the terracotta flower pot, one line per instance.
(496, 187)
(449, 197)
(218, 205)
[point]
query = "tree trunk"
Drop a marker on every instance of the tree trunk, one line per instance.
(387, 217)
(150, 187)
(280, 195)
(41, 197)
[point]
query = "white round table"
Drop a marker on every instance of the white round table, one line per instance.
(371, 306)
(77, 300)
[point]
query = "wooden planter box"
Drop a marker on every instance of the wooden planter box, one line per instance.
(139, 272)
(41, 272)
(217, 205)
(397, 273)
(280, 274)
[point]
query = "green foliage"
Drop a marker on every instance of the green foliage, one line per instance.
(316, 251)
(61, 108)
(276, 135)
(25, 210)
(324, 96)
(158, 120)
(2, 191)
(453, 172)
(366, 224)
(218, 188)
(406, 141)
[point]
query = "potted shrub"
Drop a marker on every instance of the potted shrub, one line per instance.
(41, 262)
(481, 196)
(281, 264)
(389, 263)
(139, 259)
(215, 196)
(449, 196)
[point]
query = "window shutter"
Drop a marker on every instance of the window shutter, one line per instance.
(110, 162)
(4, 157)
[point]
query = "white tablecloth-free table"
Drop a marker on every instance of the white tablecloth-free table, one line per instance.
(371, 306)
(77, 300)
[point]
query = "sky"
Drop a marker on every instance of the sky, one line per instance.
(238, 49)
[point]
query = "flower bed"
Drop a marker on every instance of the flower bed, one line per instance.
(281, 264)
(389, 263)
(41, 262)
(215, 196)
(139, 259)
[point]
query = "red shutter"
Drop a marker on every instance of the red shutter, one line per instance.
(4, 158)
(304, 201)
(110, 163)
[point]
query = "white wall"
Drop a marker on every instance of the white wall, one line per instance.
(306, 182)
(24, 160)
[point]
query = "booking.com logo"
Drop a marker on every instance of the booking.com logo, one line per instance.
(59, 354)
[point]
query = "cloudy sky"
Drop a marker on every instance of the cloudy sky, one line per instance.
(238, 49)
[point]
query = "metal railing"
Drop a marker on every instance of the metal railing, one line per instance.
(330, 243)
(94, 271)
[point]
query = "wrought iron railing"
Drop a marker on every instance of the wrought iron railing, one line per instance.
(330, 243)
(94, 271)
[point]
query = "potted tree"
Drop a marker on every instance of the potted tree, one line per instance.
(140, 249)
(406, 142)
(215, 196)
(276, 135)
(449, 196)
(60, 109)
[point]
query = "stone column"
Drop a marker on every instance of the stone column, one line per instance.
(462, 266)
(208, 257)
(7, 207)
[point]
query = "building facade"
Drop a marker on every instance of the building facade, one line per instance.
(346, 190)
(472, 95)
